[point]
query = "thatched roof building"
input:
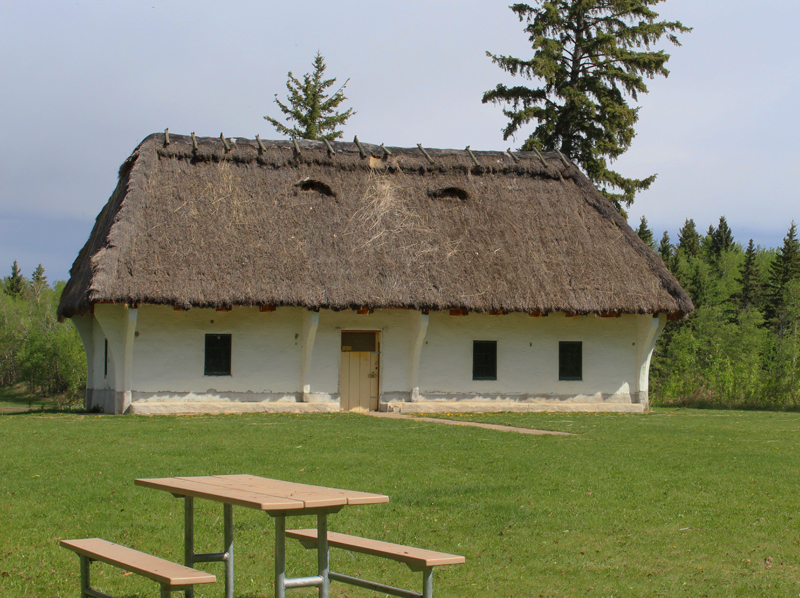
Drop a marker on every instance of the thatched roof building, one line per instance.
(218, 222)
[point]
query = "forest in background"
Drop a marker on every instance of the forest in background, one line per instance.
(739, 349)
(35, 348)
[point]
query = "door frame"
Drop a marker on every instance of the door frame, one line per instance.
(377, 333)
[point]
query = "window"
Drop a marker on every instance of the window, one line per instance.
(218, 355)
(105, 362)
(359, 342)
(570, 360)
(484, 360)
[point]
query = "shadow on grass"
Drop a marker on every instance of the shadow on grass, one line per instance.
(16, 399)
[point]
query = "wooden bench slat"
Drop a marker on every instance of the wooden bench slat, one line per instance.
(144, 564)
(405, 554)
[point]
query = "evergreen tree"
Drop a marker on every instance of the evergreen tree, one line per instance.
(38, 282)
(590, 57)
(689, 240)
(784, 268)
(748, 278)
(15, 284)
(667, 252)
(310, 108)
(645, 234)
(722, 238)
(707, 242)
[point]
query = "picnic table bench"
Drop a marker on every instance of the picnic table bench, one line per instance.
(171, 576)
(417, 559)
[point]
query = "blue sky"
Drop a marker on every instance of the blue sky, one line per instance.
(84, 82)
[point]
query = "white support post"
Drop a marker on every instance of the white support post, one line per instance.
(417, 340)
(310, 324)
(119, 326)
(648, 329)
(85, 328)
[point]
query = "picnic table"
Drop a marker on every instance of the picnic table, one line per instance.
(278, 499)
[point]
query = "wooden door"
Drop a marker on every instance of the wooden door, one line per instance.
(359, 381)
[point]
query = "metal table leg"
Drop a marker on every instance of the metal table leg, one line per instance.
(228, 550)
(280, 556)
(190, 558)
(188, 538)
(323, 554)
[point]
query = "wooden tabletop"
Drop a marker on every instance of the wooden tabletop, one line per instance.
(261, 493)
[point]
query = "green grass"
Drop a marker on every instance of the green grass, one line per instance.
(672, 503)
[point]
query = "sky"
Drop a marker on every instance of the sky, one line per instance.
(83, 82)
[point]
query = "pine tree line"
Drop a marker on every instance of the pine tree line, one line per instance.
(35, 349)
(740, 348)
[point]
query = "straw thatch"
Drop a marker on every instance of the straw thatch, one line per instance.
(252, 225)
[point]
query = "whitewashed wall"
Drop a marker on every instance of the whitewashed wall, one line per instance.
(527, 355)
(166, 355)
(169, 351)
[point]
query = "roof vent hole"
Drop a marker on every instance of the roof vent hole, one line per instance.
(310, 185)
(449, 193)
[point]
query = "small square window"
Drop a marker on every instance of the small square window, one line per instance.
(484, 360)
(570, 360)
(218, 355)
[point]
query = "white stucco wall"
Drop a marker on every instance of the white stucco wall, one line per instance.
(157, 354)
(527, 355)
(169, 350)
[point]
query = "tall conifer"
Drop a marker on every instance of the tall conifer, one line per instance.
(645, 234)
(785, 267)
(15, 284)
(308, 105)
(589, 56)
(689, 239)
(749, 293)
(722, 238)
(667, 252)
(38, 282)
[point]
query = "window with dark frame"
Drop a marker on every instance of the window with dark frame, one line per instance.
(570, 360)
(218, 355)
(484, 360)
(105, 362)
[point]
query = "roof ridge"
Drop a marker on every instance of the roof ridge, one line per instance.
(376, 150)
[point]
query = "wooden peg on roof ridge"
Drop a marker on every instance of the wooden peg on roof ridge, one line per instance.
(513, 157)
(541, 158)
(361, 151)
(296, 145)
(386, 152)
(225, 142)
(563, 159)
(194, 142)
(261, 145)
(331, 151)
(166, 136)
(424, 153)
(471, 155)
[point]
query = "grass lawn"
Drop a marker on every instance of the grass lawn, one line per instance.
(673, 503)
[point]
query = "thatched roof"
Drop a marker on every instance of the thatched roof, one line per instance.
(261, 224)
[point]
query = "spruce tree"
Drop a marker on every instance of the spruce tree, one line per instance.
(310, 108)
(784, 268)
(667, 252)
(689, 239)
(721, 238)
(645, 234)
(748, 278)
(38, 282)
(15, 284)
(590, 57)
